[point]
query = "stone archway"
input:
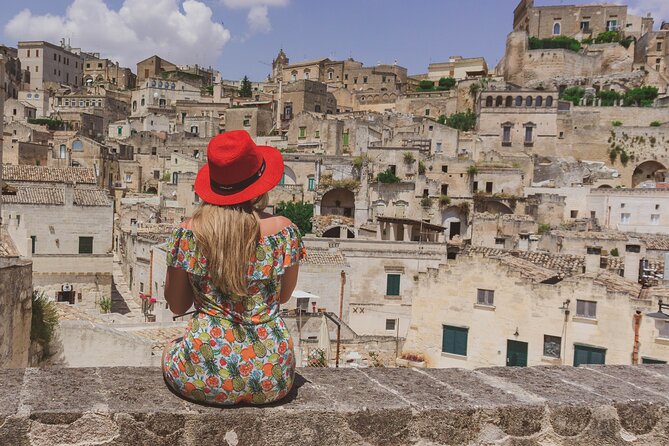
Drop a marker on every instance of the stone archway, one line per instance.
(493, 207)
(455, 222)
(649, 171)
(338, 202)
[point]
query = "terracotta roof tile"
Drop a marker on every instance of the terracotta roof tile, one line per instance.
(55, 196)
(565, 264)
(43, 174)
(317, 256)
(91, 197)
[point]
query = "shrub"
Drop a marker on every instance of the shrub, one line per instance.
(44, 318)
(441, 119)
(166, 177)
(624, 157)
(472, 170)
(655, 124)
(421, 168)
(464, 121)
(387, 177)
(614, 252)
(105, 304)
(573, 94)
(642, 96)
(616, 123)
(408, 157)
(51, 124)
(447, 83)
(444, 200)
(613, 37)
(543, 228)
(564, 42)
(613, 154)
(425, 85)
(609, 98)
(297, 212)
(361, 160)
(426, 202)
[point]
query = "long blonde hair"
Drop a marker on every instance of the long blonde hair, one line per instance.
(227, 236)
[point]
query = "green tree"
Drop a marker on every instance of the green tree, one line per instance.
(464, 121)
(446, 83)
(298, 212)
(609, 98)
(425, 85)
(573, 94)
(246, 90)
(387, 176)
(642, 96)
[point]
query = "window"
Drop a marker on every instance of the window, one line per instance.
(330, 74)
(33, 241)
(528, 135)
(585, 26)
(611, 25)
(194, 129)
(303, 132)
(664, 330)
(475, 186)
(549, 101)
(519, 101)
(438, 148)
(595, 250)
(654, 219)
(573, 213)
(128, 178)
(345, 138)
(633, 248)
(141, 287)
(624, 218)
(346, 76)
(500, 241)
(311, 183)
(657, 206)
(588, 355)
(317, 134)
(85, 245)
(28, 53)
(154, 150)
(62, 151)
(317, 108)
(364, 79)
(659, 46)
(528, 101)
(485, 297)
(393, 285)
(488, 101)
(306, 75)
(444, 189)
(506, 135)
(538, 101)
(488, 187)
(390, 324)
(586, 308)
(454, 340)
(156, 174)
(652, 361)
(552, 346)
(246, 123)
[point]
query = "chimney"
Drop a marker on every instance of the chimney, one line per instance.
(666, 269)
(632, 259)
(593, 258)
(68, 195)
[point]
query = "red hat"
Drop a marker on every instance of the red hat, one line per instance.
(237, 170)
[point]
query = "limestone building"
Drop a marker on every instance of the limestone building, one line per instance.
(61, 220)
(105, 72)
(504, 311)
(50, 65)
(458, 67)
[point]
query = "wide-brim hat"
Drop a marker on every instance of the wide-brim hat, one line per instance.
(237, 169)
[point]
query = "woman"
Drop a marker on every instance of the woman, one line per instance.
(235, 264)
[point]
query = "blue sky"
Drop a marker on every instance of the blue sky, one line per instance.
(241, 37)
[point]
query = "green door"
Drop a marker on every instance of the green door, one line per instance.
(588, 355)
(516, 353)
(652, 361)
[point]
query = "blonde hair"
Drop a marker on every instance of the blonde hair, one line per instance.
(227, 236)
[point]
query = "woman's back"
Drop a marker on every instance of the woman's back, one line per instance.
(236, 347)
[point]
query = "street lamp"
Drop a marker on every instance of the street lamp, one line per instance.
(660, 314)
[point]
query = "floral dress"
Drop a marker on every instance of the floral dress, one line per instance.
(235, 348)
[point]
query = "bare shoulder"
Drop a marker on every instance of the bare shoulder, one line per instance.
(271, 224)
(186, 224)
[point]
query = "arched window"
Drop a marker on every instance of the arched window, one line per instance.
(538, 101)
(499, 101)
(509, 101)
(519, 101)
(549, 101)
(528, 101)
(556, 28)
(77, 146)
(134, 105)
(488, 101)
(306, 73)
(293, 76)
(142, 102)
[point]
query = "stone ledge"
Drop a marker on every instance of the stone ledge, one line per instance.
(508, 406)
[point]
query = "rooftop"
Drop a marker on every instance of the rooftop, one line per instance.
(591, 405)
(43, 174)
(55, 196)
(565, 264)
(317, 256)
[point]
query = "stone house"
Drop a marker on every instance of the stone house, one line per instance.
(159, 96)
(578, 21)
(61, 220)
(109, 105)
(630, 210)
(258, 121)
(16, 110)
(50, 65)
(152, 67)
(305, 95)
(458, 67)
(496, 311)
(39, 99)
(106, 72)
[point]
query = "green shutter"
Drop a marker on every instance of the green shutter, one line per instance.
(312, 183)
(85, 245)
(652, 361)
(588, 355)
(345, 138)
(454, 340)
(393, 285)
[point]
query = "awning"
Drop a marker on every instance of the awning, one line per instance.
(303, 294)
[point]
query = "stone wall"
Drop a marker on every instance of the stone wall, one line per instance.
(15, 312)
(506, 406)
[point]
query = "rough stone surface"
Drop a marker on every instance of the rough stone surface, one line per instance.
(603, 405)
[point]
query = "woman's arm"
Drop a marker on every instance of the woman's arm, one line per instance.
(288, 282)
(178, 290)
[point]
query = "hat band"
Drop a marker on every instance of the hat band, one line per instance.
(226, 189)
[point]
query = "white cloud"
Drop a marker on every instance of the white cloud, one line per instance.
(258, 20)
(181, 31)
(659, 9)
(258, 17)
